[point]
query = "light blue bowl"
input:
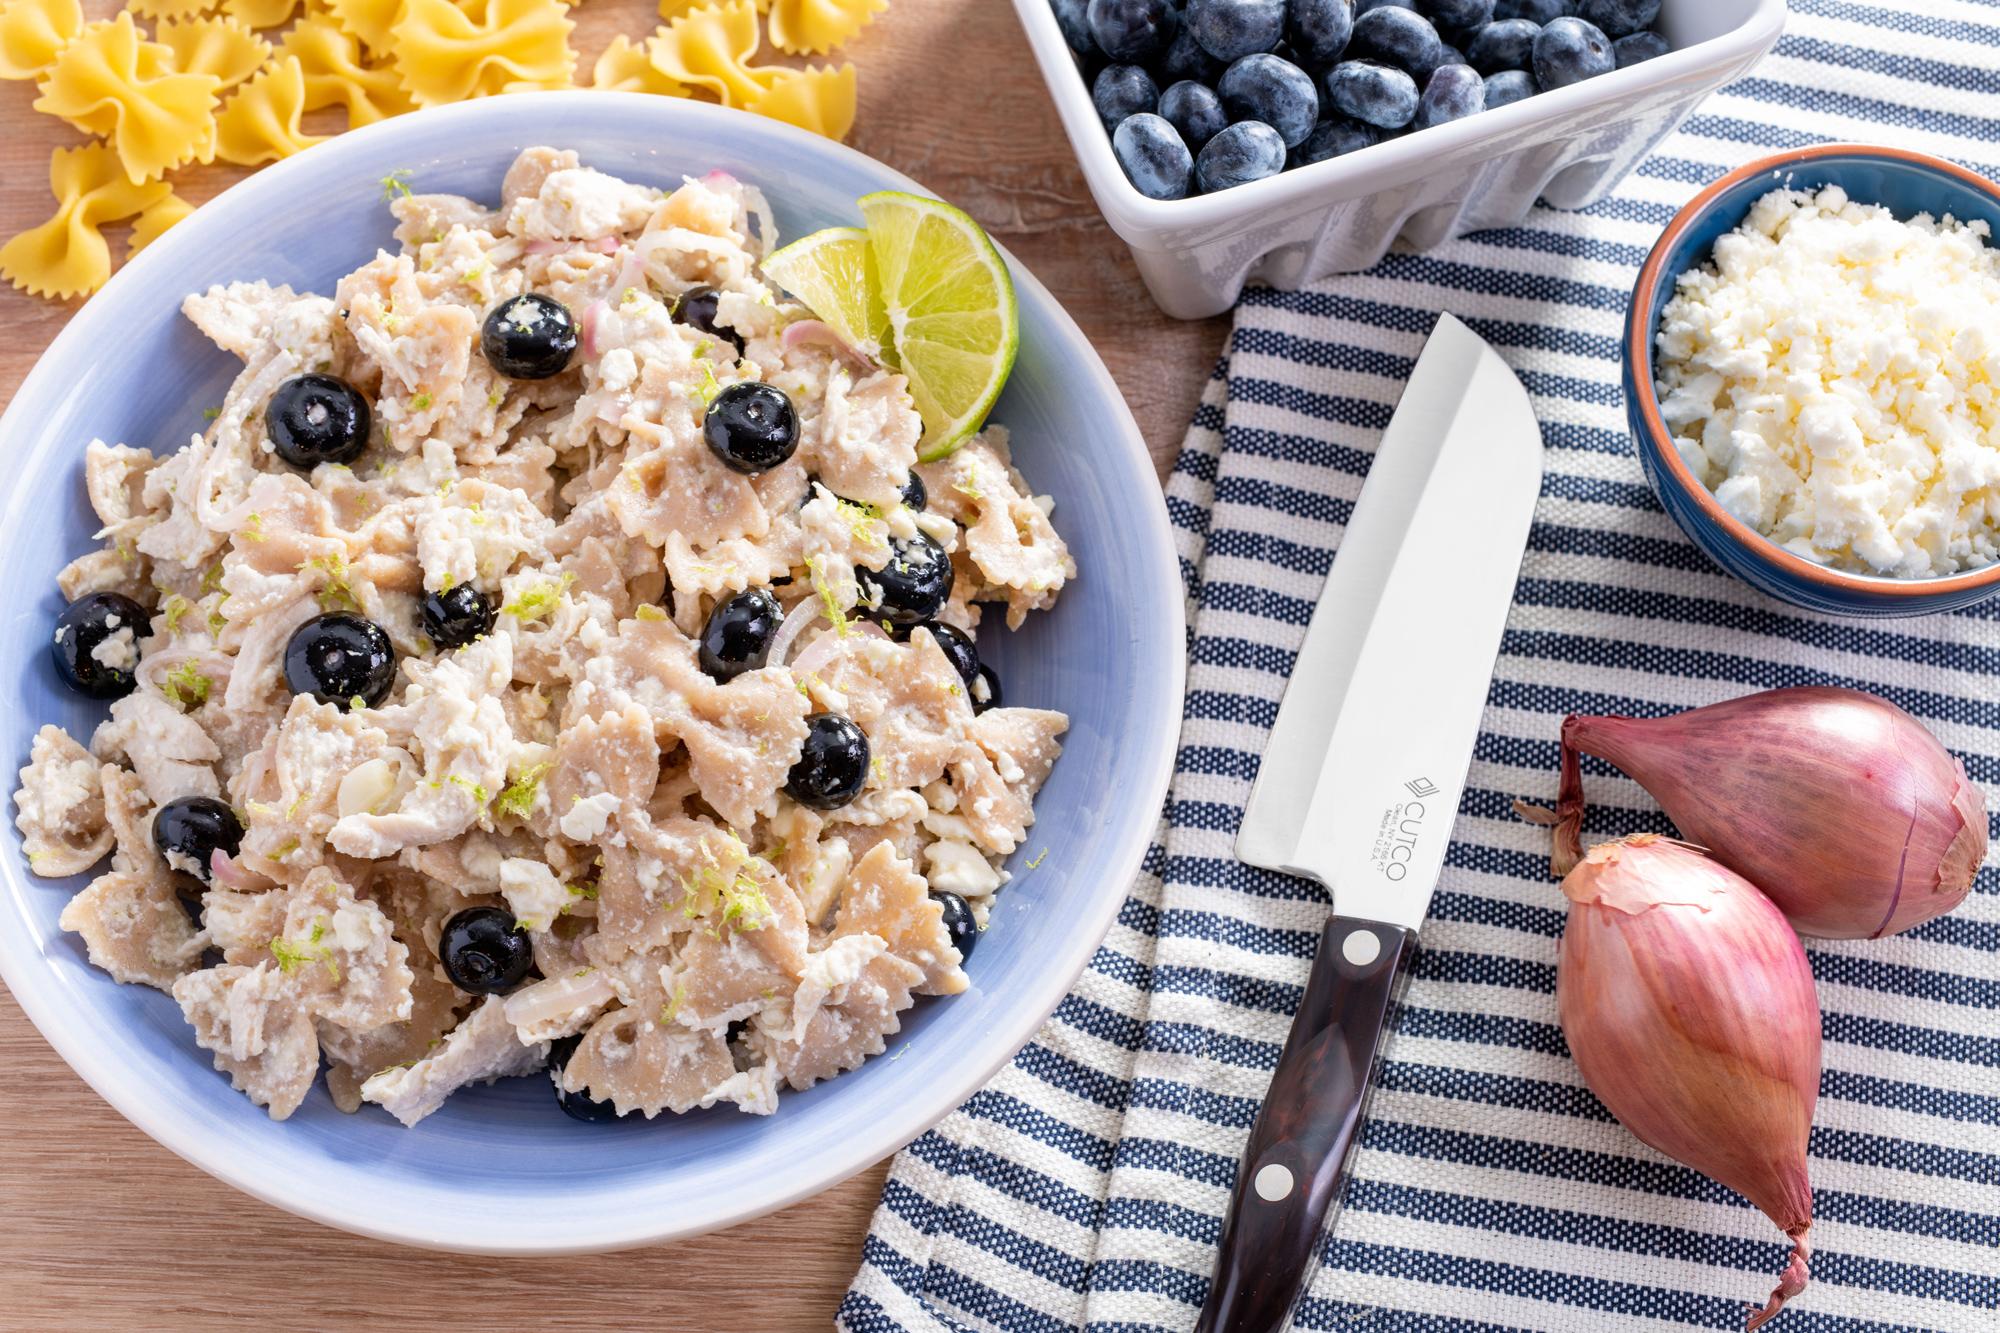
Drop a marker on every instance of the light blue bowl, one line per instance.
(1905, 183)
(500, 1170)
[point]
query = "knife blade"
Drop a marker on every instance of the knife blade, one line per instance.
(1360, 783)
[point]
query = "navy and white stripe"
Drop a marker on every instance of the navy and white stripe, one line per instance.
(1083, 1188)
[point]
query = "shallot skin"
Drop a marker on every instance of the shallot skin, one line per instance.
(1840, 806)
(1689, 1006)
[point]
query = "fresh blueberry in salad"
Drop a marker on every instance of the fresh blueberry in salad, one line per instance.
(1376, 94)
(1195, 112)
(1121, 91)
(751, 427)
(915, 495)
(339, 658)
(1317, 30)
(1619, 18)
(1508, 87)
(1274, 91)
(1399, 37)
(1538, 12)
(189, 830)
(529, 337)
(1232, 29)
(957, 646)
(1503, 44)
(833, 763)
(1155, 159)
(314, 419)
(912, 586)
(1247, 151)
(958, 922)
(96, 644)
(696, 309)
(576, 1105)
(985, 690)
(1129, 30)
(1640, 46)
(1569, 51)
(484, 951)
(737, 637)
(1453, 93)
(457, 616)
(1332, 138)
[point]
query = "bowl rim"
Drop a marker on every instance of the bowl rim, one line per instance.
(1151, 767)
(1644, 398)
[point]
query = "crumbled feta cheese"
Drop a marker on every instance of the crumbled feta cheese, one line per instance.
(585, 819)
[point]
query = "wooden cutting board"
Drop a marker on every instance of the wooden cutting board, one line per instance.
(102, 1229)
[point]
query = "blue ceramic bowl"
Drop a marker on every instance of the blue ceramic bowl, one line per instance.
(500, 1169)
(1906, 183)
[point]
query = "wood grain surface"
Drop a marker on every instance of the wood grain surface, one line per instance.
(100, 1228)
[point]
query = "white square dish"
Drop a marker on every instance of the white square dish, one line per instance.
(1568, 147)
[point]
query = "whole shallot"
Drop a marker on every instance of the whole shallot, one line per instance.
(1839, 805)
(1690, 1009)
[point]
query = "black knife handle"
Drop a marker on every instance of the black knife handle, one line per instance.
(1296, 1160)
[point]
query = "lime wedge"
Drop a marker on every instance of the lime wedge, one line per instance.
(951, 310)
(833, 273)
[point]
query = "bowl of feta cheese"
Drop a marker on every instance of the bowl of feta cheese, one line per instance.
(1812, 373)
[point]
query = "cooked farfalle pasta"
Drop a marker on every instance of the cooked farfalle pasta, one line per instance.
(818, 98)
(448, 52)
(261, 122)
(331, 62)
(68, 255)
(702, 873)
(368, 21)
(33, 33)
(710, 48)
(814, 27)
(223, 47)
(110, 81)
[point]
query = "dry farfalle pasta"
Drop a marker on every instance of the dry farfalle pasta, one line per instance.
(68, 255)
(261, 122)
(223, 47)
(110, 81)
(553, 831)
(336, 75)
(448, 52)
(33, 33)
(819, 98)
(814, 27)
(710, 48)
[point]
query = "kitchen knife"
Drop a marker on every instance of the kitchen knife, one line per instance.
(1360, 783)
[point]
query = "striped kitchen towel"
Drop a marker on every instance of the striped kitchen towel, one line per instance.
(1083, 1188)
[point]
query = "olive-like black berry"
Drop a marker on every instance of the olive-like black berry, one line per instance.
(88, 624)
(529, 337)
(957, 645)
(737, 637)
(338, 658)
(985, 690)
(915, 494)
(832, 766)
(457, 616)
(314, 419)
(696, 309)
(576, 1105)
(751, 427)
(189, 830)
(483, 950)
(958, 922)
(914, 585)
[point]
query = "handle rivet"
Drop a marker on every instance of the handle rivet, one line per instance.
(1272, 1182)
(1361, 948)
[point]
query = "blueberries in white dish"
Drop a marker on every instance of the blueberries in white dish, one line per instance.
(1155, 158)
(958, 922)
(339, 658)
(1073, 17)
(1247, 151)
(96, 644)
(1398, 37)
(1195, 111)
(737, 637)
(1131, 29)
(1232, 29)
(459, 615)
(314, 419)
(1569, 51)
(913, 585)
(1503, 44)
(1619, 18)
(1185, 59)
(1274, 91)
(1317, 30)
(833, 763)
(530, 337)
(1378, 95)
(696, 309)
(1538, 12)
(1463, 15)
(751, 427)
(190, 830)
(1508, 87)
(1453, 93)
(1363, 6)
(1331, 138)
(1120, 91)
(1640, 46)
(484, 951)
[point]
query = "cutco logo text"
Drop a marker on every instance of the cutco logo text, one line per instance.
(1402, 824)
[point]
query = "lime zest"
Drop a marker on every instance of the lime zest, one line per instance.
(186, 688)
(396, 184)
(518, 797)
(829, 604)
(536, 602)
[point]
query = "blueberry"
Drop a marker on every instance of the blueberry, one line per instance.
(189, 830)
(529, 337)
(1508, 87)
(576, 1105)
(914, 494)
(956, 645)
(1464, 14)
(1539, 12)
(1247, 151)
(1569, 51)
(985, 690)
(456, 616)
(696, 309)
(1619, 18)
(1640, 46)
(87, 624)
(737, 637)
(1332, 138)
(1275, 91)
(1195, 112)
(1318, 29)
(1121, 91)
(915, 583)
(1232, 29)
(1363, 6)
(314, 419)
(1377, 94)
(1157, 163)
(1186, 60)
(751, 427)
(1073, 17)
(1504, 44)
(1398, 37)
(338, 658)
(958, 922)
(1454, 92)
(1131, 29)
(1450, 55)
(484, 950)
(833, 764)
